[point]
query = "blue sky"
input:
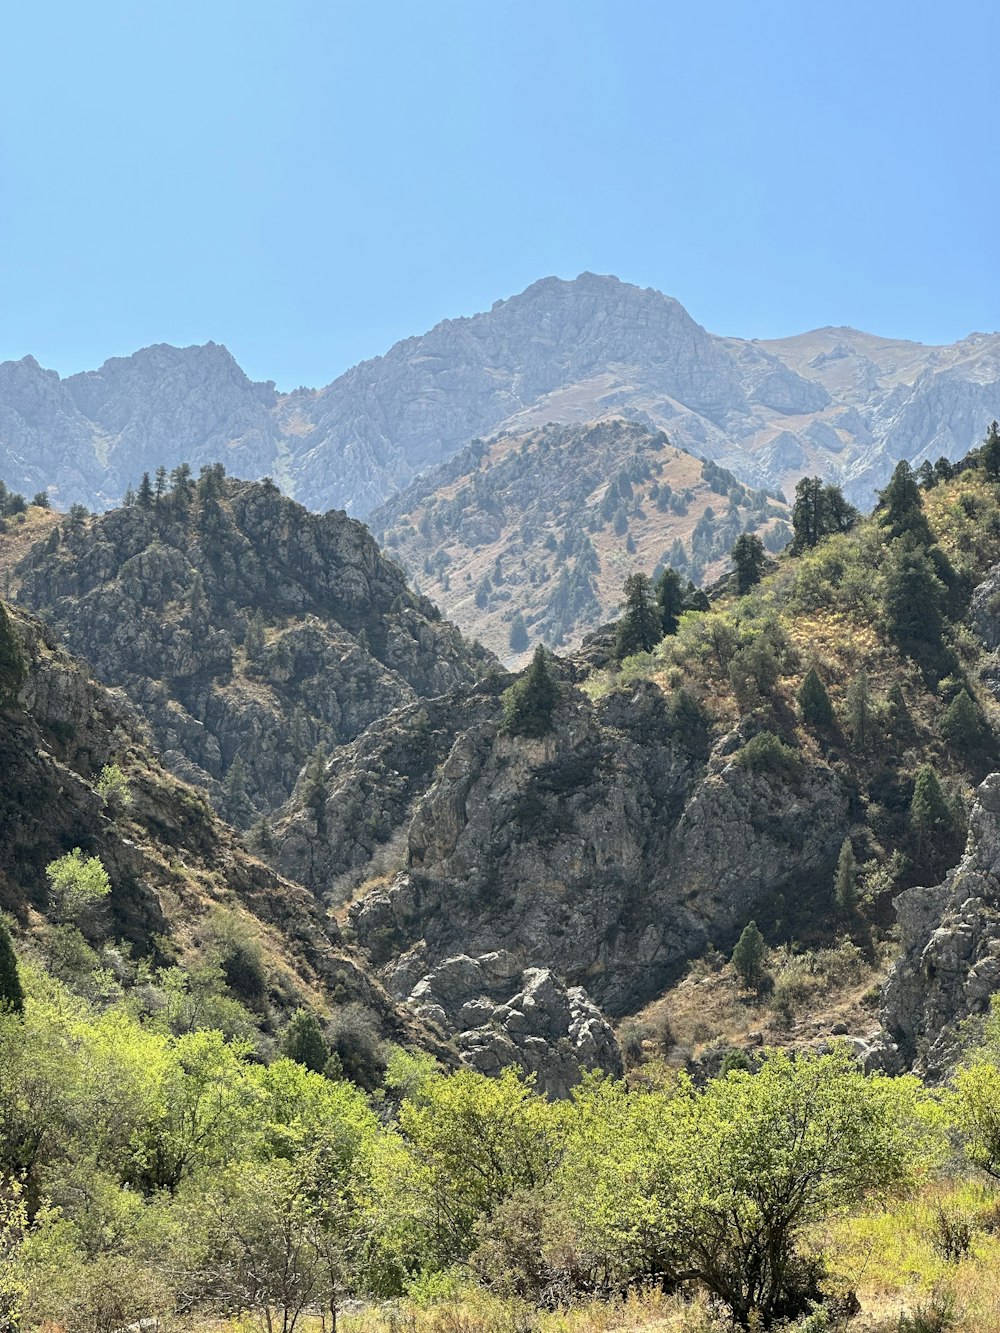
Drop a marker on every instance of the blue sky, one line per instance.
(308, 182)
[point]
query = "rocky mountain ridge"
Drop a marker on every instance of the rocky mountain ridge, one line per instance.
(611, 851)
(248, 631)
(175, 867)
(835, 401)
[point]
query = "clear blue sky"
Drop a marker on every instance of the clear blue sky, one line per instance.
(308, 181)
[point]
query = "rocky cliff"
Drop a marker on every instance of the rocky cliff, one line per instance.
(949, 968)
(174, 867)
(247, 630)
(610, 851)
(835, 401)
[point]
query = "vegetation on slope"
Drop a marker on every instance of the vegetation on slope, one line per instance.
(858, 654)
(526, 538)
(124, 886)
(149, 1173)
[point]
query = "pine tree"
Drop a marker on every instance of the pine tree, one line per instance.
(13, 668)
(11, 993)
(303, 1041)
(807, 514)
(670, 599)
(860, 712)
(161, 483)
(209, 483)
(518, 634)
(748, 956)
(529, 703)
(898, 711)
(639, 629)
(236, 782)
(961, 724)
(314, 786)
(748, 557)
(261, 836)
(900, 504)
(989, 453)
(845, 882)
(814, 701)
(930, 818)
(145, 496)
(913, 595)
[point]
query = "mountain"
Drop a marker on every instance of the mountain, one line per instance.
(183, 890)
(835, 401)
(247, 630)
(541, 528)
(850, 699)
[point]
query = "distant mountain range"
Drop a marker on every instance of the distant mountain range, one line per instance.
(844, 404)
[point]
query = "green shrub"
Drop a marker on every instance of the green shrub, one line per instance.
(356, 1049)
(766, 753)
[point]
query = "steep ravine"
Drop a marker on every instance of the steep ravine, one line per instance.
(612, 850)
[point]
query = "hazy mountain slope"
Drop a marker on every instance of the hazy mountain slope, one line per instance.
(834, 401)
(248, 630)
(89, 436)
(547, 524)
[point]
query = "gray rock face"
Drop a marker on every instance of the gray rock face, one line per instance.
(984, 612)
(950, 964)
(559, 351)
(503, 1014)
(608, 851)
(161, 601)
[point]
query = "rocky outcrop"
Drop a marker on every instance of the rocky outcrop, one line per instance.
(984, 611)
(608, 851)
(247, 630)
(355, 825)
(502, 1014)
(949, 968)
(565, 351)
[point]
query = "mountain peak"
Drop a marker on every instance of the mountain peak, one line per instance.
(836, 401)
